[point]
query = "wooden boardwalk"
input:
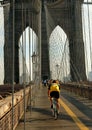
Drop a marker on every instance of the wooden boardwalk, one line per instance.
(39, 117)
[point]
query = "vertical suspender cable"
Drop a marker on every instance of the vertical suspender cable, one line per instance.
(29, 48)
(65, 61)
(13, 5)
(22, 36)
(24, 65)
(29, 56)
(22, 45)
(32, 33)
(32, 28)
(34, 46)
(23, 57)
(89, 33)
(68, 55)
(67, 48)
(39, 44)
(32, 42)
(35, 43)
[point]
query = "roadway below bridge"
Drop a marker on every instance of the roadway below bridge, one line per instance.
(75, 113)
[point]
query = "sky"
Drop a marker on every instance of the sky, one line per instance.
(59, 53)
(87, 40)
(33, 40)
(87, 32)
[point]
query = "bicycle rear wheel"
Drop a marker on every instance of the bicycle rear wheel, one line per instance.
(55, 109)
(56, 115)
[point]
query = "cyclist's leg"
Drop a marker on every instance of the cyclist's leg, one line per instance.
(58, 104)
(50, 98)
(58, 107)
(51, 95)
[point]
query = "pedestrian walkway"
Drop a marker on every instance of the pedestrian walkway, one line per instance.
(39, 117)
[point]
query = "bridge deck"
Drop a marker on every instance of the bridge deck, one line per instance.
(70, 118)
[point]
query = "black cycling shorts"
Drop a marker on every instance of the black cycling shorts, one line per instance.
(54, 94)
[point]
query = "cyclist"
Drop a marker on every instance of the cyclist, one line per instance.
(49, 84)
(54, 91)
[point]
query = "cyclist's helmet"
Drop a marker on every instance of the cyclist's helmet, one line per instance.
(54, 81)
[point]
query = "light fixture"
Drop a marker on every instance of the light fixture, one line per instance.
(34, 58)
(4, 1)
(57, 65)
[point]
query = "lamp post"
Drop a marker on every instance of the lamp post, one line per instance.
(34, 56)
(4, 1)
(1, 1)
(57, 66)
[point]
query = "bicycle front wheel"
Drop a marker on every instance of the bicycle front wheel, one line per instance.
(55, 114)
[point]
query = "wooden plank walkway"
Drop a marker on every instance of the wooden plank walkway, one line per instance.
(39, 117)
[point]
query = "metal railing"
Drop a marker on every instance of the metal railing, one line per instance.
(79, 89)
(6, 110)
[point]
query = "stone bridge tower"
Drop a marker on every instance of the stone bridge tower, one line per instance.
(68, 14)
(17, 17)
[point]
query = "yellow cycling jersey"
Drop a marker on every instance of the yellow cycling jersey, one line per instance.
(54, 87)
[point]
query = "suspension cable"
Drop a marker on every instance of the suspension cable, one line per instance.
(39, 45)
(24, 63)
(2, 45)
(13, 60)
(29, 57)
(21, 47)
(32, 31)
(29, 47)
(62, 58)
(23, 18)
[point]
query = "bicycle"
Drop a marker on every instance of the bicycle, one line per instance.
(55, 107)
